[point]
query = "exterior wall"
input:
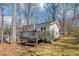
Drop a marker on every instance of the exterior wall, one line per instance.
(51, 27)
(54, 28)
(38, 27)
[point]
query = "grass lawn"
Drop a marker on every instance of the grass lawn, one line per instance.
(62, 47)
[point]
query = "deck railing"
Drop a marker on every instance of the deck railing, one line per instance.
(35, 36)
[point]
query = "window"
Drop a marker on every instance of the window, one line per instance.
(41, 28)
(44, 28)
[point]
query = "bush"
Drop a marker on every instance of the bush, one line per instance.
(47, 35)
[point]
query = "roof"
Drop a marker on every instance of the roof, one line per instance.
(46, 23)
(56, 23)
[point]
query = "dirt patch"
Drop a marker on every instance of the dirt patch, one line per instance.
(12, 49)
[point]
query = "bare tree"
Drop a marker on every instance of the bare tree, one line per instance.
(52, 9)
(75, 6)
(14, 23)
(19, 13)
(19, 20)
(29, 10)
(2, 6)
(64, 17)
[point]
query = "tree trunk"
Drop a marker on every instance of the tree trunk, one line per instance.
(2, 23)
(14, 23)
(74, 21)
(64, 15)
(54, 14)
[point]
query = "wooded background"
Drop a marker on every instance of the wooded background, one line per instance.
(29, 13)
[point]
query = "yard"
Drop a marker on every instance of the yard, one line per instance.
(65, 46)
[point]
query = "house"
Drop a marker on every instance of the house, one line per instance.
(53, 28)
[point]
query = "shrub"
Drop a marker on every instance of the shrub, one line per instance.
(47, 35)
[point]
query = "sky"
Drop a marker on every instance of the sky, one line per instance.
(8, 10)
